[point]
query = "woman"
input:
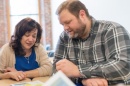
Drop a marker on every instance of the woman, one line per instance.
(24, 57)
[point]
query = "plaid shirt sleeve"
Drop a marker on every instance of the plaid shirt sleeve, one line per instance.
(117, 52)
(60, 52)
(111, 55)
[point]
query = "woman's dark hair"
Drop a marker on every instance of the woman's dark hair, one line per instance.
(73, 6)
(25, 25)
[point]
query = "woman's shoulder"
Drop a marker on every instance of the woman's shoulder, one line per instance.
(39, 47)
(40, 50)
(5, 46)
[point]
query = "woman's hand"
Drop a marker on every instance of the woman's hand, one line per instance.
(9, 69)
(95, 82)
(16, 75)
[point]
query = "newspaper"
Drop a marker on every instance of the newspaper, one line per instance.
(59, 79)
(32, 83)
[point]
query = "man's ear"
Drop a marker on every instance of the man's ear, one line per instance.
(81, 14)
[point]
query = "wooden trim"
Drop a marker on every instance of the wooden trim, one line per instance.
(39, 11)
(8, 18)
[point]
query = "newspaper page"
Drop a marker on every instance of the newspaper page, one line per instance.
(59, 79)
(33, 83)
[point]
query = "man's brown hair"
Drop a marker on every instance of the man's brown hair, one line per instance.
(73, 6)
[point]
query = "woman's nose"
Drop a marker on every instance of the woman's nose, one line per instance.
(30, 38)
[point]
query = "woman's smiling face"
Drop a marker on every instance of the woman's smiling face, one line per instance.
(29, 39)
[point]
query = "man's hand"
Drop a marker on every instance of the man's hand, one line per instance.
(95, 82)
(68, 68)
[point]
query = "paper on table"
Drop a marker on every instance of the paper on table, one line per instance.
(59, 79)
(33, 83)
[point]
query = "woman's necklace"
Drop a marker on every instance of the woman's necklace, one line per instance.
(27, 58)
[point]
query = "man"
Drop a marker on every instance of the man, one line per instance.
(89, 51)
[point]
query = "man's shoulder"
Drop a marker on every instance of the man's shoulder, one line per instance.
(110, 23)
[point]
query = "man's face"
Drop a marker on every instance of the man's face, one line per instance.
(72, 25)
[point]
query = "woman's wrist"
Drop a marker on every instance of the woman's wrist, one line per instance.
(5, 75)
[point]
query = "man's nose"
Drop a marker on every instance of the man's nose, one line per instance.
(66, 27)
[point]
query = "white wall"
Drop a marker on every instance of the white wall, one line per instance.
(112, 10)
(56, 27)
(20, 9)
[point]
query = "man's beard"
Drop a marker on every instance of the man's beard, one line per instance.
(79, 33)
(75, 35)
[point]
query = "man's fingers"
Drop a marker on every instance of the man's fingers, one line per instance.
(105, 82)
(89, 82)
(60, 64)
(95, 82)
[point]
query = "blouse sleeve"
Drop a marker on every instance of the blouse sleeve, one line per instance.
(43, 60)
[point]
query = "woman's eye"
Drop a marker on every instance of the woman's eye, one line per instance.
(34, 36)
(27, 35)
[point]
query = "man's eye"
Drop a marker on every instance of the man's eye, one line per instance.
(68, 22)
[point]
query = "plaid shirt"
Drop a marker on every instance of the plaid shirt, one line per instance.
(104, 53)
